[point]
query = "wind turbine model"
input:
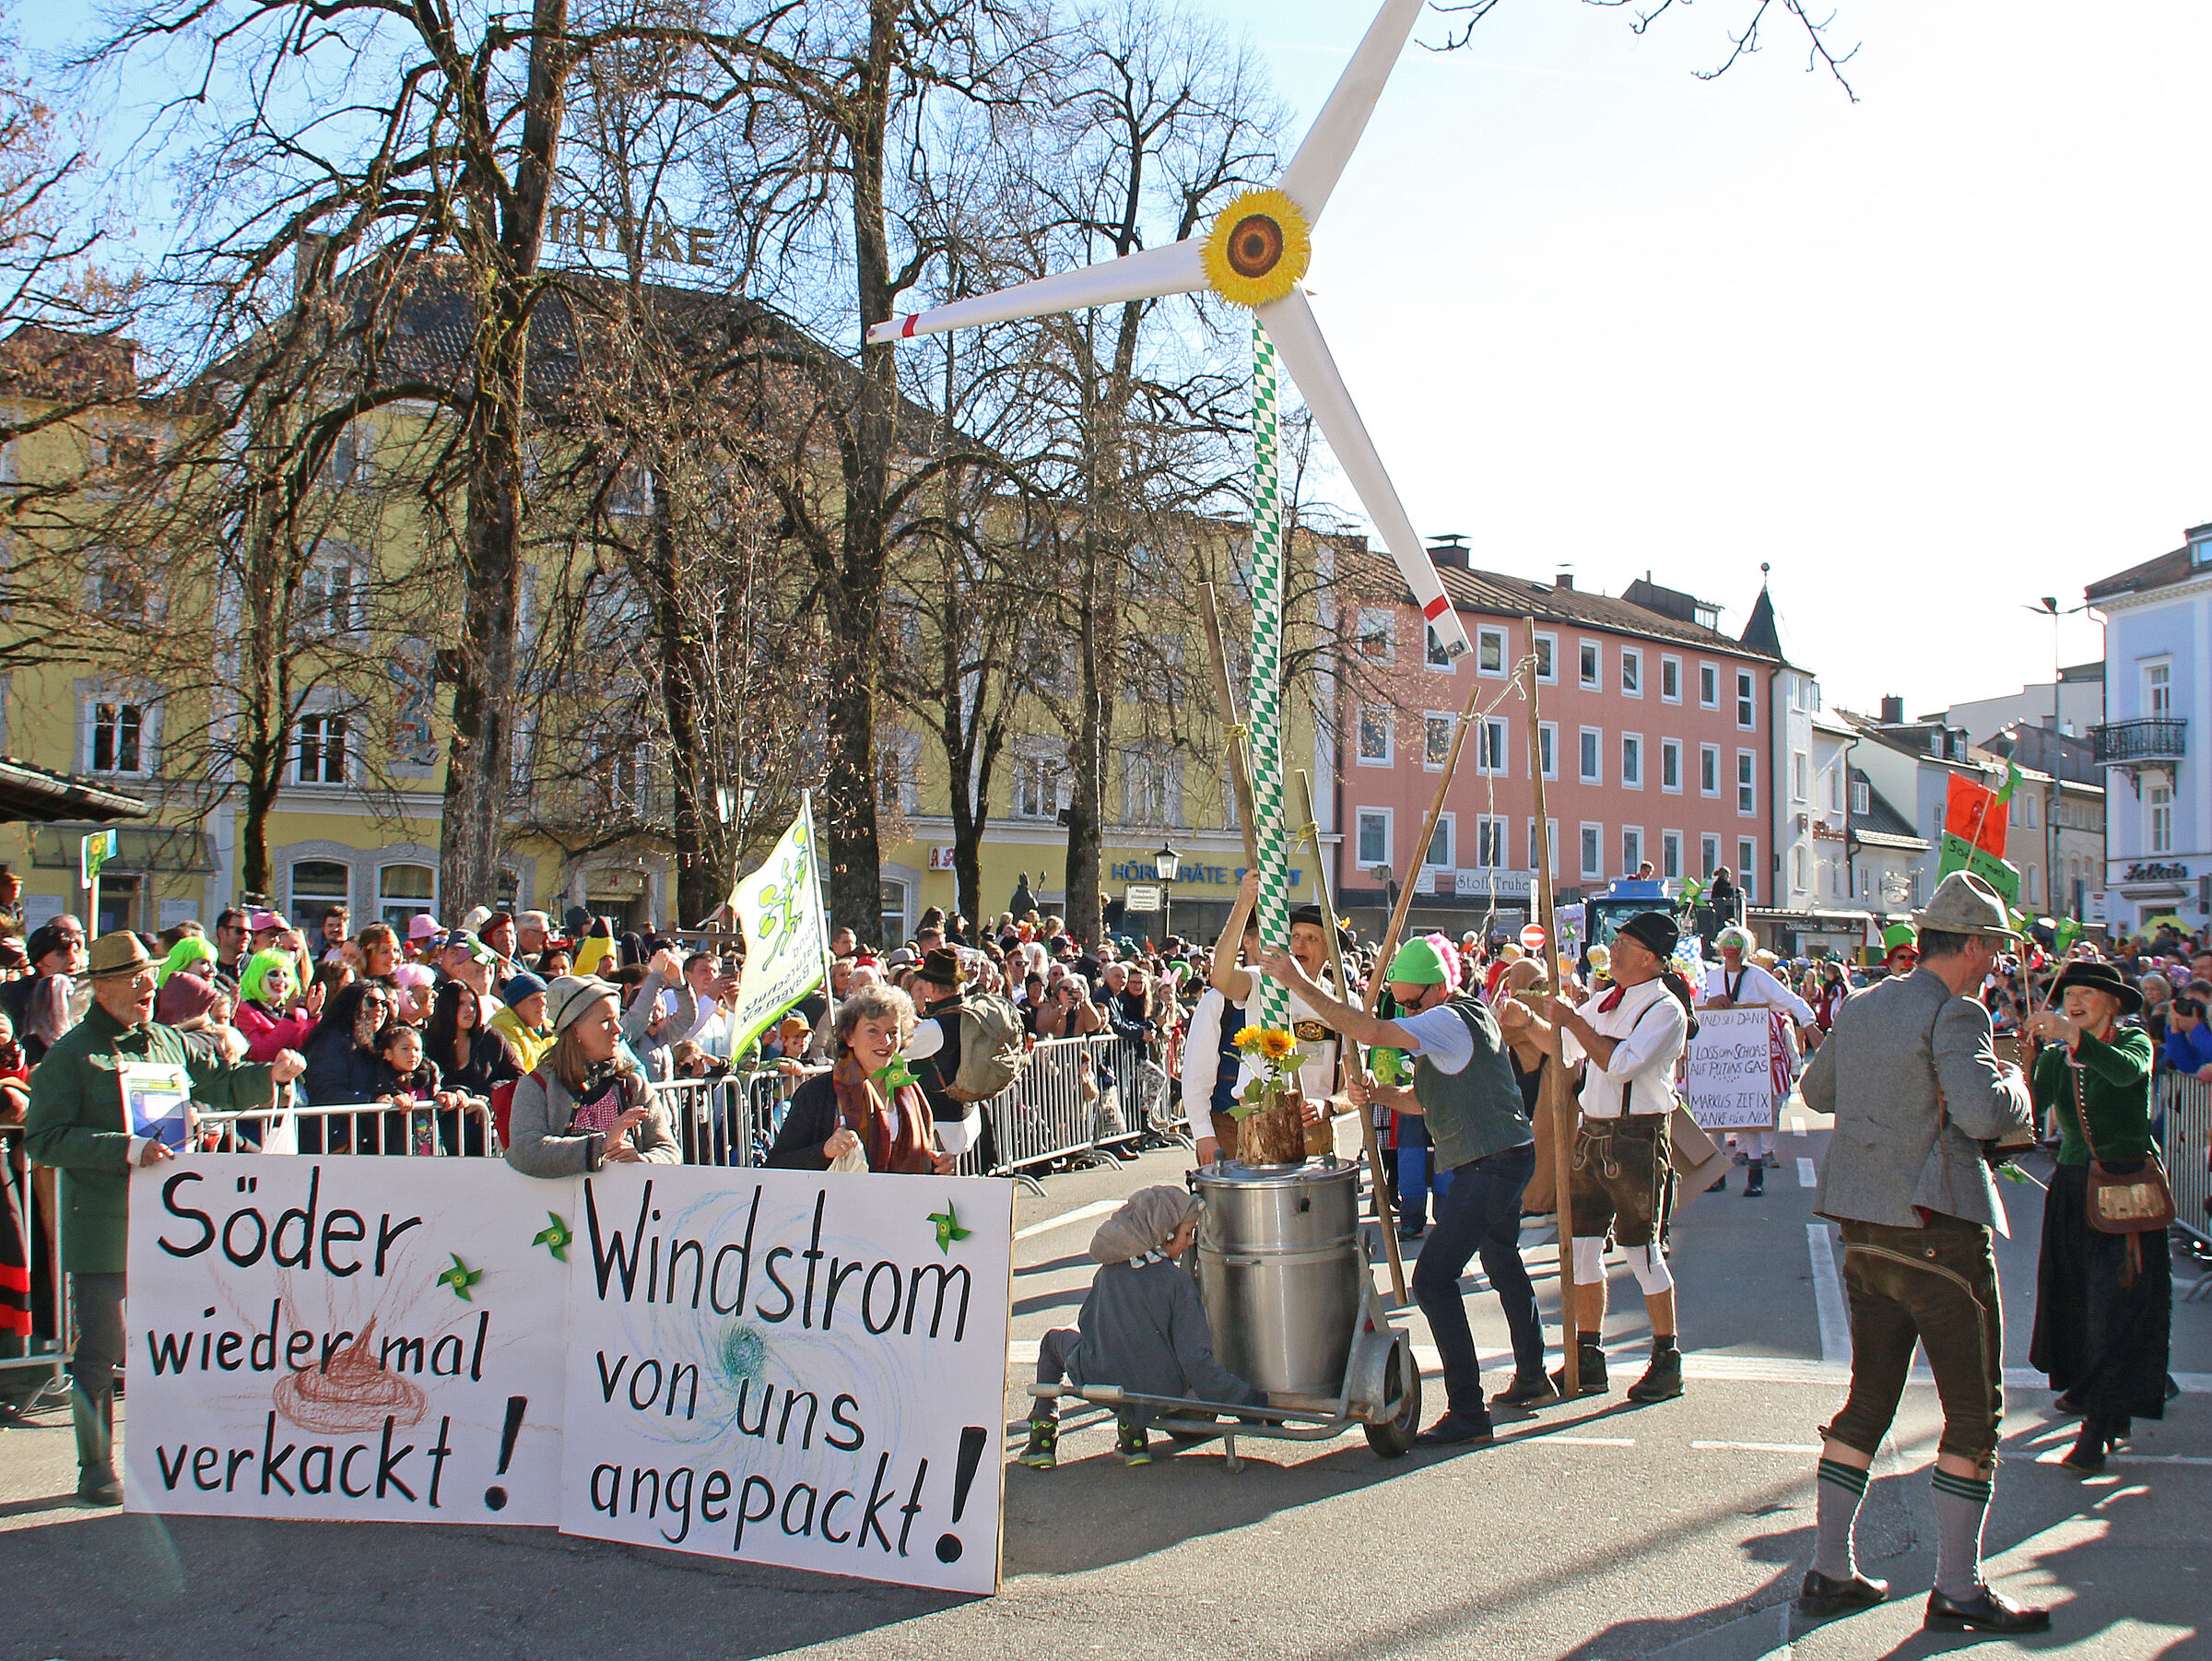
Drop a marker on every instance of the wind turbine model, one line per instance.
(1252, 255)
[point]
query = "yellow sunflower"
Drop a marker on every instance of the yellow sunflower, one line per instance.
(1258, 247)
(1248, 1037)
(1276, 1046)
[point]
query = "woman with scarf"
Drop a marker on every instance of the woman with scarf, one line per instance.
(859, 1104)
(587, 1104)
(343, 1063)
(267, 1013)
(2103, 1303)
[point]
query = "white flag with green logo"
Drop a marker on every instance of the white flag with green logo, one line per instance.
(786, 934)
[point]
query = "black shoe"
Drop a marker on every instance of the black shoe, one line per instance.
(2087, 1455)
(99, 1488)
(1719, 1185)
(1755, 1183)
(1412, 1233)
(1662, 1380)
(1986, 1611)
(1455, 1429)
(2066, 1407)
(1527, 1392)
(1820, 1599)
(1591, 1364)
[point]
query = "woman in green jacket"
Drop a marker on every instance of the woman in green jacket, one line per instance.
(2103, 1303)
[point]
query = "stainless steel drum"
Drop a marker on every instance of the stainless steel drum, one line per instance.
(1281, 1271)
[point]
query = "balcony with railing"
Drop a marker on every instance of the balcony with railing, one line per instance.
(2153, 739)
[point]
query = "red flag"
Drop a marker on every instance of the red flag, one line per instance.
(1973, 815)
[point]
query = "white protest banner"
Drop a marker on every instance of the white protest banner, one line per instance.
(1730, 1068)
(349, 1340)
(801, 1368)
(778, 908)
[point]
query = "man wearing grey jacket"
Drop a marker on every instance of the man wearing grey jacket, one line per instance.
(1917, 1091)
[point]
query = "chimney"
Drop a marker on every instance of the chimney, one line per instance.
(1451, 548)
(1893, 712)
(1565, 579)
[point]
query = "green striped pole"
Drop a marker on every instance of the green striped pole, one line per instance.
(1266, 695)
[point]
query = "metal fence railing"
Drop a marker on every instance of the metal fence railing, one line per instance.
(34, 1315)
(2185, 1141)
(351, 1127)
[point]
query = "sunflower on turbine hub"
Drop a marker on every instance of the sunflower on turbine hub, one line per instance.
(1257, 248)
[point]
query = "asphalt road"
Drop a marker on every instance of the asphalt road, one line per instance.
(1596, 1530)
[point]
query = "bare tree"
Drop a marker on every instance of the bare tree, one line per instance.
(1821, 52)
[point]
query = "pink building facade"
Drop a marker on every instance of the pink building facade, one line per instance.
(1653, 735)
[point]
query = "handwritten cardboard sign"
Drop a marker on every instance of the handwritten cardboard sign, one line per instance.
(773, 1366)
(1731, 1067)
(346, 1338)
(792, 1368)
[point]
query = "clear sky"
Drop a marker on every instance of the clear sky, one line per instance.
(1932, 355)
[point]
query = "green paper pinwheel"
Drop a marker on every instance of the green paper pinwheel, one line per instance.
(555, 1237)
(460, 1278)
(948, 1228)
(893, 1076)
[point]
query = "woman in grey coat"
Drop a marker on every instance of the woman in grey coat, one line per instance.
(587, 1104)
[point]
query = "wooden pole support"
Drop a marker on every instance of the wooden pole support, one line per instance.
(1554, 1095)
(1347, 1048)
(1436, 808)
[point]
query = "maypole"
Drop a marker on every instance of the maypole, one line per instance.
(1265, 734)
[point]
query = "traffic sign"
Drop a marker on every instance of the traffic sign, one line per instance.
(1532, 937)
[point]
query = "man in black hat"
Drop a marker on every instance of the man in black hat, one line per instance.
(1631, 1037)
(938, 987)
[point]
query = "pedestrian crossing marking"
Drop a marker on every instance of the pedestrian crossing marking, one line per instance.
(1807, 1177)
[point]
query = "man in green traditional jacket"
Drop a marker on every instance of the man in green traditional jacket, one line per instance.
(78, 1123)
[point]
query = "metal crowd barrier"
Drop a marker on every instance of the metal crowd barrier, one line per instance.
(30, 1273)
(2185, 1138)
(352, 1127)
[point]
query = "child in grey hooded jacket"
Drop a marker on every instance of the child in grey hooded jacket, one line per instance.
(1142, 1326)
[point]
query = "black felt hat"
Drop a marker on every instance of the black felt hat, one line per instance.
(2099, 977)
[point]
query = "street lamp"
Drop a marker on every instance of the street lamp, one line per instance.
(1167, 865)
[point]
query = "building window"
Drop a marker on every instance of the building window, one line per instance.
(1592, 769)
(1151, 788)
(1798, 881)
(1440, 845)
(1374, 734)
(1747, 869)
(1631, 850)
(1593, 859)
(1548, 647)
(333, 599)
(1709, 769)
(1378, 632)
(1547, 747)
(1491, 755)
(1862, 796)
(2158, 690)
(1708, 857)
(318, 885)
(321, 755)
(1798, 791)
(1747, 715)
(1708, 685)
(1489, 842)
(1631, 672)
(1835, 789)
(1670, 854)
(1040, 786)
(1435, 739)
(1438, 657)
(1632, 761)
(347, 462)
(1374, 836)
(404, 892)
(2161, 818)
(118, 738)
(1746, 789)
(1670, 680)
(1551, 839)
(1589, 670)
(890, 905)
(1489, 651)
(1670, 764)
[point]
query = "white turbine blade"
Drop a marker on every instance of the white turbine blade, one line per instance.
(1313, 172)
(1297, 336)
(1175, 269)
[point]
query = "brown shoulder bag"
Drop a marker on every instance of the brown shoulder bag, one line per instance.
(2139, 1204)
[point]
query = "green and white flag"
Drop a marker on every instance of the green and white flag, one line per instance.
(93, 852)
(778, 907)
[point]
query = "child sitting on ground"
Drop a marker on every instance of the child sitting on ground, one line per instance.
(1142, 1327)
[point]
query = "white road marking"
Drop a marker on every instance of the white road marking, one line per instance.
(1798, 1128)
(1828, 1293)
(1582, 1441)
(1759, 1447)
(1807, 1176)
(1081, 1213)
(2155, 1459)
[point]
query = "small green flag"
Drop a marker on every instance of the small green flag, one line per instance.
(2012, 779)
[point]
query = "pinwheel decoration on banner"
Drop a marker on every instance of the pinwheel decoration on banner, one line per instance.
(1252, 255)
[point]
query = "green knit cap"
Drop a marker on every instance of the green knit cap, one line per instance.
(1897, 934)
(1418, 963)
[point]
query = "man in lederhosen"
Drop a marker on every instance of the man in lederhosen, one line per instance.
(1917, 1090)
(1631, 1038)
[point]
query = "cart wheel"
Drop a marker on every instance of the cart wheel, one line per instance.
(1392, 1438)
